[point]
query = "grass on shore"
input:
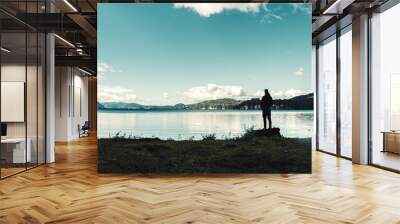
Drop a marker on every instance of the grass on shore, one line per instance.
(254, 152)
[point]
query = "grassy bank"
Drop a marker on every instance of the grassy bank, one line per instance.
(254, 152)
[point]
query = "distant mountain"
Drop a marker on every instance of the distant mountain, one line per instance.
(303, 102)
(135, 106)
(121, 105)
(100, 106)
(181, 106)
(219, 104)
(252, 104)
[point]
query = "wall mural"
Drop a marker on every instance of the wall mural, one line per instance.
(204, 88)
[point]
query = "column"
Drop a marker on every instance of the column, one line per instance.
(360, 90)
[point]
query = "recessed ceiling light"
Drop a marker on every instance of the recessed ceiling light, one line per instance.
(5, 50)
(64, 40)
(70, 5)
(84, 71)
(337, 7)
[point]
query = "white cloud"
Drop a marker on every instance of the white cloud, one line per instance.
(100, 76)
(208, 9)
(301, 7)
(115, 94)
(269, 16)
(258, 93)
(103, 69)
(165, 95)
(214, 91)
(299, 71)
(288, 93)
(195, 94)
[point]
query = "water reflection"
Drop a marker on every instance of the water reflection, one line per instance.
(185, 124)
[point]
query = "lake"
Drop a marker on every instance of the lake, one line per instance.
(180, 125)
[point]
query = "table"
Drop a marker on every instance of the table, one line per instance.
(16, 147)
(391, 141)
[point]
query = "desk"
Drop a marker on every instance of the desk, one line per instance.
(391, 141)
(18, 150)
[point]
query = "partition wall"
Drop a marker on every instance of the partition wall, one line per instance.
(22, 77)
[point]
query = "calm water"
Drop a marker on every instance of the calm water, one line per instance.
(185, 124)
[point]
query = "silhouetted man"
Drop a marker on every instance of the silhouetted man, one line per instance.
(266, 104)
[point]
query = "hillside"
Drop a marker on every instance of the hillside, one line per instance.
(218, 104)
(303, 102)
(121, 105)
(100, 106)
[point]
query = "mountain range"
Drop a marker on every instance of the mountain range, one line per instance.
(302, 102)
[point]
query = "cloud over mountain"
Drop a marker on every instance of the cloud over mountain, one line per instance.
(214, 91)
(288, 93)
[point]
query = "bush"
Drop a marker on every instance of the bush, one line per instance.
(209, 137)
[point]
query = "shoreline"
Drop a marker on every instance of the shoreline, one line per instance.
(199, 110)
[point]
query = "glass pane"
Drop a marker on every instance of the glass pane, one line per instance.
(313, 84)
(386, 89)
(31, 98)
(346, 94)
(327, 96)
(13, 86)
(41, 98)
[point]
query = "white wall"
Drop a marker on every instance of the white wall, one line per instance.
(71, 102)
(15, 73)
(80, 105)
(62, 82)
(33, 126)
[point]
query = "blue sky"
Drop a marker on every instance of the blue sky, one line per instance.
(163, 54)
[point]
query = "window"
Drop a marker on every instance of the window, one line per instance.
(327, 96)
(385, 89)
(346, 93)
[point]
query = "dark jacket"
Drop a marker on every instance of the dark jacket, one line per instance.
(266, 102)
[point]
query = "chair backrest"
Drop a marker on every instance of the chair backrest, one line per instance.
(86, 125)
